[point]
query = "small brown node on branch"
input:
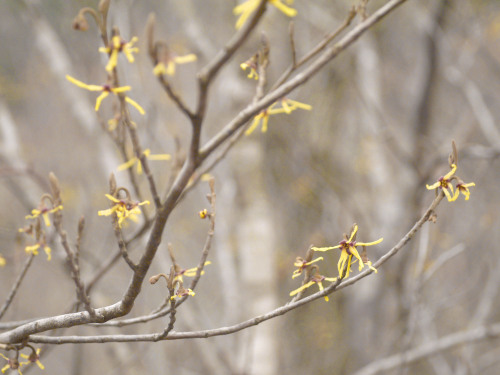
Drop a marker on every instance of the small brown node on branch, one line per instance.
(80, 22)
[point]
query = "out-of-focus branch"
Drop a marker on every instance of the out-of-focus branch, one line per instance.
(328, 55)
(431, 349)
(315, 51)
(16, 285)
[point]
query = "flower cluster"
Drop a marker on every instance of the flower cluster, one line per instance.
(105, 90)
(314, 279)
(287, 106)
(14, 364)
(244, 10)
(119, 45)
(251, 63)
(445, 184)
(123, 208)
(307, 264)
(348, 247)
(348, 252)
(45, 208)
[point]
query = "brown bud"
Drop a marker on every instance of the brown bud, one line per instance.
(80, 23)
(154, 279)
(54, 184)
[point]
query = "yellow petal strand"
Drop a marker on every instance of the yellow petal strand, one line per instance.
(143, 203)
(450, 173)
(349, 261)
(354, 252)
(355, 230)
(342, 260)
(118, 90)
(77, 82)
(139, 166)
(370, 243)
(433, 186)
(254, 125)
(448, 196)
(46, 219)
(105, 212)
(111, 198)
(300, 105)
(170, 68)
(286, 107)
(135, 105)
(185, 59)
(159, 69)
(48, 252)
(113, 61)
(127, 164)
(265, 120)
(160, 157)
(2, 261)
(290, 12)
(247, 6)
(100, 99)
(305, 286)
(369, 264)
(315, 260)
(243, 18)
(325, 248)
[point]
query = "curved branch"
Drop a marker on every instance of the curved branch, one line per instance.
(250, 322)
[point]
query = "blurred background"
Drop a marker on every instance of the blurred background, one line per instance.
(383, 116)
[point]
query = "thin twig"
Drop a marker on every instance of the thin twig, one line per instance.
(338, 285)
(16, 285)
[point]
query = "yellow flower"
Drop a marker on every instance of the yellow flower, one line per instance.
(181, 292)
(34, 248)
(190, 272)
(34, 357)
(168, 66)
(148, 155)
(105, 90)
(124, 209)
(264, 116)
(444, 183)
(12, 363)
(2, 261)
(203, 213)
(287, 106)
(290, 105)
(302, 264)
(44, 212)
(119, 45)
(315, 279)
(244, 10)
(348, 247)
(252, 64)
(464, 189)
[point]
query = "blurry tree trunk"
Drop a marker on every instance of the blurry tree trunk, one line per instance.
(256, 245)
